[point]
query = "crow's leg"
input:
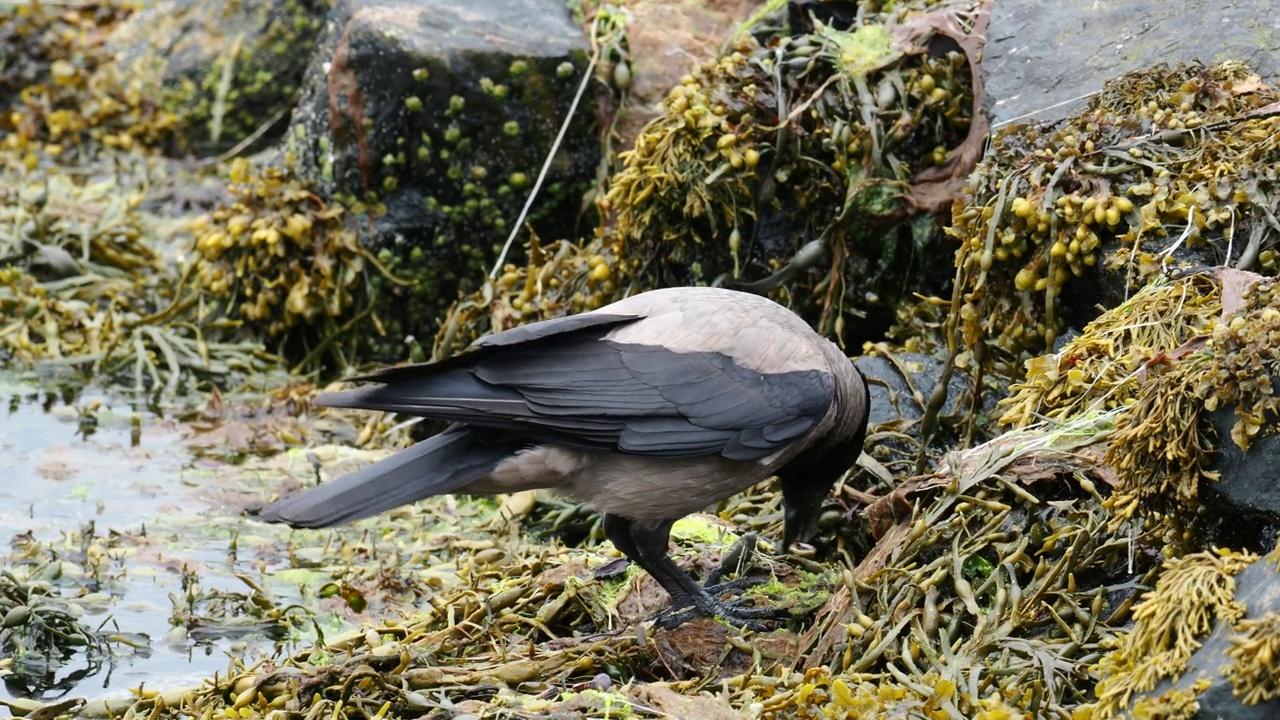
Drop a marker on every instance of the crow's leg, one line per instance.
(618, 530)
(646, 544)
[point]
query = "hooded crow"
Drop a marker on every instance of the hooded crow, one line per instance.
(648, 410)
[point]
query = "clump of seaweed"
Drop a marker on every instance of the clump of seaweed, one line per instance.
(776, 155)
(58, 93)
(85, 287)
(1191, 594)
(279, 261)
(96, 329)
(1164, 167)
(1163, 445)
(1164, 361)
(48, 592)
(560, 279)
(504, 619)
(1254, 650)
(1102, 367)
(40, 633)
(995, 582)
(66, 227)
(202, 614)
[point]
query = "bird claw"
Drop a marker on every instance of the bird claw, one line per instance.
(742, 583)
(738, 612)
(671, 621)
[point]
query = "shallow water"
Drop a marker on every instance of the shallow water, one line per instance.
(56, 479)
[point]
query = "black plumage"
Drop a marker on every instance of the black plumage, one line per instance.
(648, 409)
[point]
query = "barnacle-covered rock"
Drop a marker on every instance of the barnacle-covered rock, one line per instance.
(431, 122)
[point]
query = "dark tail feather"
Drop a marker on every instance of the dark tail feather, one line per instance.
(435, 466)
(452, 394)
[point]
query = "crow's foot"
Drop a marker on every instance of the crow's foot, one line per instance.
(738, 585)
(738, 612)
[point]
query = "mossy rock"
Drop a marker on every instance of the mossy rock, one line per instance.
(431, 122)
(226, 70)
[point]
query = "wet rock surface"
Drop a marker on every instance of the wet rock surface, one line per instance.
(1043, 56)
(902, 385)
(1246, 496)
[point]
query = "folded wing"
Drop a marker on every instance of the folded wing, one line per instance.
(565, 381)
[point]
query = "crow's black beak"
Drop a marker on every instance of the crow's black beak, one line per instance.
(802, 505)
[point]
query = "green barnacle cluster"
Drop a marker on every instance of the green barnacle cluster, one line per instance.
(455, 171)
(1192, 593)
(1165, 167)
(816, 134)
(280, 260)
(50, 108)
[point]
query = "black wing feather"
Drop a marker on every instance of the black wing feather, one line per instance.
(564, 382)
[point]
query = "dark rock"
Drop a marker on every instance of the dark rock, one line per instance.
(224, 69)
(1258, 588)
(900, 390)
(432, 119)
(1246, 498)
(1042, 57)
